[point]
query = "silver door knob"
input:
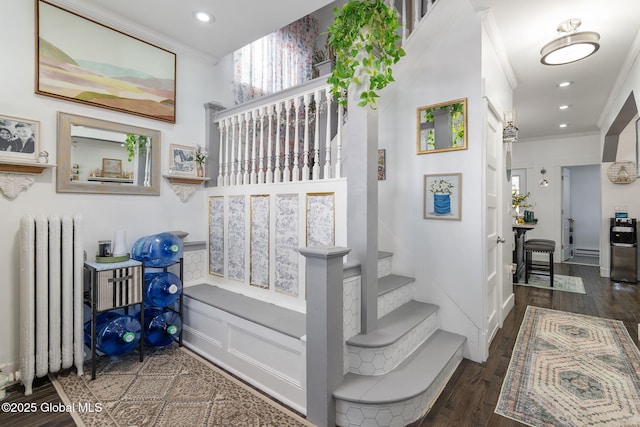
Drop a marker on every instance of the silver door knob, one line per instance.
(500, 240)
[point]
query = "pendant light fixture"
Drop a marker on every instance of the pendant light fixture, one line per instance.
(543, 182)
(571, 45)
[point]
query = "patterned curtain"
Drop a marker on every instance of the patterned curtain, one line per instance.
(275, 62)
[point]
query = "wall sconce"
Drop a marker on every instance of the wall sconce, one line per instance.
(510, 132)
(571, 46)
(543, 182)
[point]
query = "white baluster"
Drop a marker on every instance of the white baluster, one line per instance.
(296, 143)
(223, 132)
(241, 119)
(261, 167)
(269, 178)
(316, 139)
(277, 171)
(338, 171)
(305, 155)
(226, 154)
(232, 178)
(245, 177)
(253, 176)
(286, 174)
(327, 140)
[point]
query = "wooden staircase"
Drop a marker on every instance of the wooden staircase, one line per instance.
(396, 372)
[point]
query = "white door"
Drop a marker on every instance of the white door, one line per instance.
(567, 243)
(494, 174)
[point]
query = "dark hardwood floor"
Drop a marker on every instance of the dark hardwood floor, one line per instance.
(469, 399)
(471, 395)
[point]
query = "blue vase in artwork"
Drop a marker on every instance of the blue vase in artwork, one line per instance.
(442, 204)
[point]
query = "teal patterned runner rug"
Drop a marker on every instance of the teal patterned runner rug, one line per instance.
(560, 283)
(572, 370)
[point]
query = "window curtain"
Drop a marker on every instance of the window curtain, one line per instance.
(275, 62)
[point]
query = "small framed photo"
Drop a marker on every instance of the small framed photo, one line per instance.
(19, 139)
(112, 168)
(183, 160)
(442, 194)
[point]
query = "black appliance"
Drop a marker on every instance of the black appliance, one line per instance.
(624, 250)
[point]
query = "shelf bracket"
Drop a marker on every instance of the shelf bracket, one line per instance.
(12, 184)
(183, 191)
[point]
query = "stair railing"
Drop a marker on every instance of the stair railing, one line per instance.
(286, 137)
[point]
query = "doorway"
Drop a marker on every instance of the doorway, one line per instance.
(581, 214)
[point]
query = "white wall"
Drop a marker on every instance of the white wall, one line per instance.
(103, 214)
(552, 154)
(617, 194)
(443, 63)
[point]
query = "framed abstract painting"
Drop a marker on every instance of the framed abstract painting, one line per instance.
(81, 60)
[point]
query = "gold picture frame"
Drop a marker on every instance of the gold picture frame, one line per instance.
(442, 127)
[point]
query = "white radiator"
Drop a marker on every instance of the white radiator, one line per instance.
(51, 292)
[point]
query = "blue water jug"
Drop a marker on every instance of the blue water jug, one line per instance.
(161, 326)
(161, 288)
(116, 333)
(158, 250)
(137, 249)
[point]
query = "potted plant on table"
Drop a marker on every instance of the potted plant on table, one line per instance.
(364, 38)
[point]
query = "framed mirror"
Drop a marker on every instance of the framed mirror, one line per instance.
(442, 127)
(97, 156)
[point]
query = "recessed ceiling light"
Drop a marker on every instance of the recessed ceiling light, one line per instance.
(563, 125)
(203, 16)
(564, 107)
(564, 84)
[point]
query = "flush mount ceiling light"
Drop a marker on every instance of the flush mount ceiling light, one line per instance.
(571, 46)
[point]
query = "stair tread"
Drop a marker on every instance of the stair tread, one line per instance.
(392, 282)
(394, 325)
(409, 379)
(384, 254)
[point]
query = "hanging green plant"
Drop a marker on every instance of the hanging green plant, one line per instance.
(136, 140)
(365, 40)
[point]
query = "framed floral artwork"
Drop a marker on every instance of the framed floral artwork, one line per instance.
(442, 194)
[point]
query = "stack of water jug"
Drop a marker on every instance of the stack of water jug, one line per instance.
(118, 333)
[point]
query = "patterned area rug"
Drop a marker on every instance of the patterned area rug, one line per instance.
(572, 370)
(560, 283)
(583, 260)
(172, 387)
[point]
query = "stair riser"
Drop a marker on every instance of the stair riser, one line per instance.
(384, 266)
(394, 299)
(379, 361)
(397, 413)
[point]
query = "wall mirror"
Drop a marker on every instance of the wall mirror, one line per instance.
(442, 127)
(93, 157)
